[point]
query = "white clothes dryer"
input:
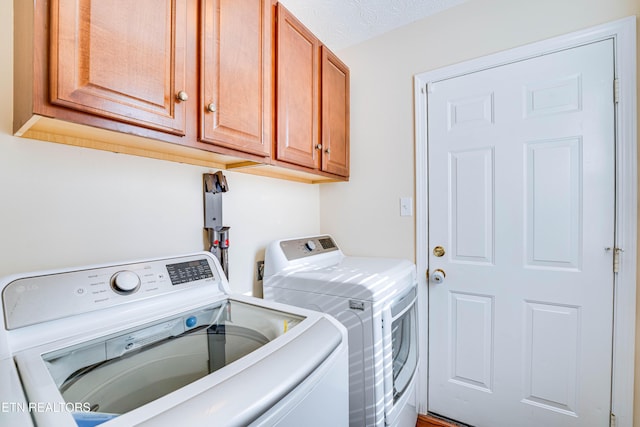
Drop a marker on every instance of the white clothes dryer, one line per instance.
(162, 342)
(375, 298)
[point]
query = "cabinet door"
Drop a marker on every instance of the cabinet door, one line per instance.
(237, 74)
(335, 114)
(120, 59)
(297, 92)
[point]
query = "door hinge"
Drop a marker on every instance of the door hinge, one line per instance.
(616, 91)
(616, 259)
(612, 420)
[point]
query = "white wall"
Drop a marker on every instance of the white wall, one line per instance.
(66, 206)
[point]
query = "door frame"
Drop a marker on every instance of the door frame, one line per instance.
(623, 32)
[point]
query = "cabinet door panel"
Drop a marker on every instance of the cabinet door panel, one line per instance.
(120, 59)
(297, 92)
(237, 74)
(335, 114)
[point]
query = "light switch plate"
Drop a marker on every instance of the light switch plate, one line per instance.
(406, 206)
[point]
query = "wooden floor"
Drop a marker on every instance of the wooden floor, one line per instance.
(430, 421)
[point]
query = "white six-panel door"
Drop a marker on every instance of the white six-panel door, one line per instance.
(521, 198)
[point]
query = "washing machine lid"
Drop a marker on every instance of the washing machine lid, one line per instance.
(366, 278)
(280, 345)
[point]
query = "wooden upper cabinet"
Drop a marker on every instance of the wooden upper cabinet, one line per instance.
(229, 84)
(297, 96)
(312, 101)
(335, 114)
(237, 74)
(121, 59)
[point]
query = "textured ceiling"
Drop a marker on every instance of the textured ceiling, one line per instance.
(343, 23)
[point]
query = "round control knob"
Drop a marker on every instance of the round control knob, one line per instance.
(310, 245)
(125, 282)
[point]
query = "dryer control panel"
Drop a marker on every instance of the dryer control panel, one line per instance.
(41, 297)
(307, 246)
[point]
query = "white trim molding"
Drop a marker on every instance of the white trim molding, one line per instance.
(623, 32)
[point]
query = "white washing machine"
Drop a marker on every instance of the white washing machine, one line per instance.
(375, 298)
(162, 342)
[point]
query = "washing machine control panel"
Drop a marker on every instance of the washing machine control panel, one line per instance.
(50, 296)
(307, 246)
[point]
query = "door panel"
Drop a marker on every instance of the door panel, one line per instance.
(551, 356)
(521, 196)
(471, 183)
(472, 331)
(553, 190)
(94, 69)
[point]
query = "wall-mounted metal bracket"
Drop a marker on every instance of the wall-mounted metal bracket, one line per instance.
(215, 184)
